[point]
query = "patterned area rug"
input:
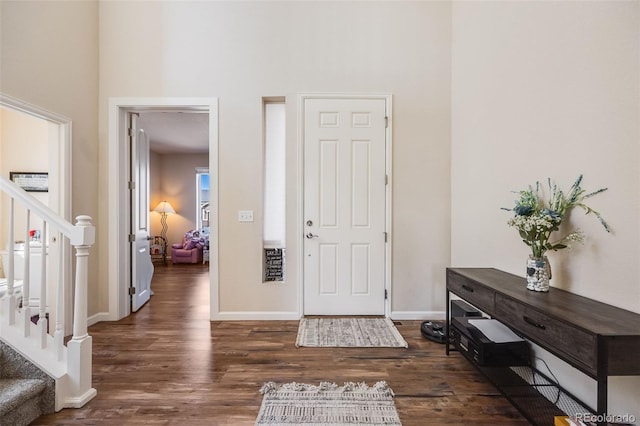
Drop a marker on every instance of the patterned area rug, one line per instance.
(327, 404)
(349, 333)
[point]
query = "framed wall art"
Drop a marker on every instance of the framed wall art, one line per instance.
(31, 181)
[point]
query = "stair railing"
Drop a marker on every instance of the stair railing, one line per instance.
(70, 364)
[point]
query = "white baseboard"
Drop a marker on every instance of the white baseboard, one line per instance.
(278, 316)
(417, 315)
(96, 318)
(254, 316)
(283, 316)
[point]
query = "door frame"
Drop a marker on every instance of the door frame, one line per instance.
(119, 264)
(387, 97)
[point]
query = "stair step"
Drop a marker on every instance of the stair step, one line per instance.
(20, 400)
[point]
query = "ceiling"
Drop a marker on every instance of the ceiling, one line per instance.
(172, 132)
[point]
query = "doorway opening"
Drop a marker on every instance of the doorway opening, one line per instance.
(119, 246)
(56, 136)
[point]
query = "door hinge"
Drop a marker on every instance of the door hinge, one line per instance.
(386, 294)
(132, 238)
(386, 122)
(130, 131)
(386, 237)
(386, 179)
(132, 291)
(132, 185)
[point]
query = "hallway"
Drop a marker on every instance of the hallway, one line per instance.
(168, 364)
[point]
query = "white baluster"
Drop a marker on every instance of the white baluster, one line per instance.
(9, 298)
(42, 320)
(26, 282)
(58, 335)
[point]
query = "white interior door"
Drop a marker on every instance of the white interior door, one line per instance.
(344, 206)
(141, 265)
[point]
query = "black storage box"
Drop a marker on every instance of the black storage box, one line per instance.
(475, 346)
(460, 308)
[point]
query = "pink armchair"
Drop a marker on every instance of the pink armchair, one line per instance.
(188, 251)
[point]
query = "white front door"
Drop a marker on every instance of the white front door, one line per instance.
(344, 206)
(141, 265)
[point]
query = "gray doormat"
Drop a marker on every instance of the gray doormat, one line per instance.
(327, 404)
(349, 333)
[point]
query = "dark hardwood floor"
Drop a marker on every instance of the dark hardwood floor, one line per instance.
(168, 364)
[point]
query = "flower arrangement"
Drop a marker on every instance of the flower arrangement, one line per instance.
(536, 218)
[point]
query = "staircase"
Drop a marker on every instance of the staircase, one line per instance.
(26, 392)
(39, 373)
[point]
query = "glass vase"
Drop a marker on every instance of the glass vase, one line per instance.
(538, 273)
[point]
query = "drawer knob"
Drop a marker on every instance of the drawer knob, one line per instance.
(466, 287)
(533, 323)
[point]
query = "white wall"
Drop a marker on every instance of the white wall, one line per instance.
(24, 144)
(550, 89)
(50, 59)
(243, 51)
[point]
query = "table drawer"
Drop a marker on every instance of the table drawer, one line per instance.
(479, 296)
(574, 345)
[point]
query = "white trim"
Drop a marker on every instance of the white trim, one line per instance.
(417, 315)
(32, 110)
(80, 401)
(62, 205)
(302, 97)
(96, 318)
(389, 201)
(118, 264)
(255, 316)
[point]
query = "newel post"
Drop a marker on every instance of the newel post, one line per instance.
(80, 346)
(82, 278)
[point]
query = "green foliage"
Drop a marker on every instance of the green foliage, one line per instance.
(537, 217)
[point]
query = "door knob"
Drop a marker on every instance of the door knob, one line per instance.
(310, 236)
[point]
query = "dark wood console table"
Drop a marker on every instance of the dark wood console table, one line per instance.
(598, 339)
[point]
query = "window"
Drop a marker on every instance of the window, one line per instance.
(274, 216)
(202, 197)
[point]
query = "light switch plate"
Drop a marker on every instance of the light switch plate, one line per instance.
(245, 216)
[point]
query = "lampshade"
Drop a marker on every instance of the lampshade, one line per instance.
(164, 207)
